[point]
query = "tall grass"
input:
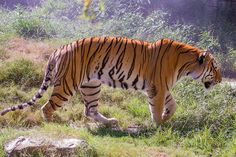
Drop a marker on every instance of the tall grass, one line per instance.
(22, 72)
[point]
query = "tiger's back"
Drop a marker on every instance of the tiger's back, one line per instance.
(117, 62)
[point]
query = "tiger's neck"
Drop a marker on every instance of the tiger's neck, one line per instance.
(187, 58)
(171, 61)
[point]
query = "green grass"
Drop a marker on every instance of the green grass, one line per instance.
(22, 72)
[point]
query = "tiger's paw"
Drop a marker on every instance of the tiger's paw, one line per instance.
(113, 122)
(166, 115)
(46, 115)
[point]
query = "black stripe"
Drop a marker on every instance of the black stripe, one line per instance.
(151, 104)
(95, 105)
(93, 56)
(20, 107)
(168, 100)
(68, 88)
(179, 46)
(38, 95)
(47, 79)
(180, 53)
(105, 60)
(73, 68)
(44, 87)
(90, 45)
(135, 82)
(30, 103)
(164, 53)
(59, 96)
(121, 43)
(13, 108)
(183, 67)
(125, 85)
(167, 86)
(82, 60)
(111, 73)
(121, 81)
(62, 59)
(168, 97)
(133, 61)
(91, 94)
(120, 58)
(52, 105)
(86, 86)
(144, 85)
(87, 103)
(120, 75)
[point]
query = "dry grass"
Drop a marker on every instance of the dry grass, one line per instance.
(37, 51)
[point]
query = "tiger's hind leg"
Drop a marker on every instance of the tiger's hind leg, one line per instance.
(91, 93)
(58, 98)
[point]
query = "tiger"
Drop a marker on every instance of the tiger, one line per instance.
(120, 62)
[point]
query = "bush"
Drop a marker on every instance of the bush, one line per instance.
(198, 109)
(20, 72)
(29, 25)
(229, 63)
(208, 42)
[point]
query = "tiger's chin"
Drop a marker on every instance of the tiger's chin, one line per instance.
(209, 85)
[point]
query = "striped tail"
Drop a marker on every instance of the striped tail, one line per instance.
(43, 88)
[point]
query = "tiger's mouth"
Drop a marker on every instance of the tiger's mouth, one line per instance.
(207, 85)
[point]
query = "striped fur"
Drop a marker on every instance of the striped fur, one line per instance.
(125, 63)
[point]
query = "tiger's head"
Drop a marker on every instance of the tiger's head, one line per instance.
(207, 70)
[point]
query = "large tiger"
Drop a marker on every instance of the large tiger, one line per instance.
(121, 62)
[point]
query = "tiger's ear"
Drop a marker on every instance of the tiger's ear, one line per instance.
(202, 57)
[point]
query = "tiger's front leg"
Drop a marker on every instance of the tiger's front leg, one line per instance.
(156, 100)
(169, 108)
(90, 94)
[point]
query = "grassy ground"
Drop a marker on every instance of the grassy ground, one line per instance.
(204, 124)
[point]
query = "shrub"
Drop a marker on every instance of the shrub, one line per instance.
(29, 25)
(229, 63)
(208, 42)
(20, 72)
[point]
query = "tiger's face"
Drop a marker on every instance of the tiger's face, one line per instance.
(212, 74)
(207, 71)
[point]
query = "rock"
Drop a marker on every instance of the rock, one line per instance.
(27, 147)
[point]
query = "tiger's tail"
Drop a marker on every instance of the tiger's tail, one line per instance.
(43, 88)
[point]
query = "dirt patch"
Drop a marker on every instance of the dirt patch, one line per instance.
(37, 51)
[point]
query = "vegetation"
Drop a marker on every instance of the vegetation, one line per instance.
(204, 124)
